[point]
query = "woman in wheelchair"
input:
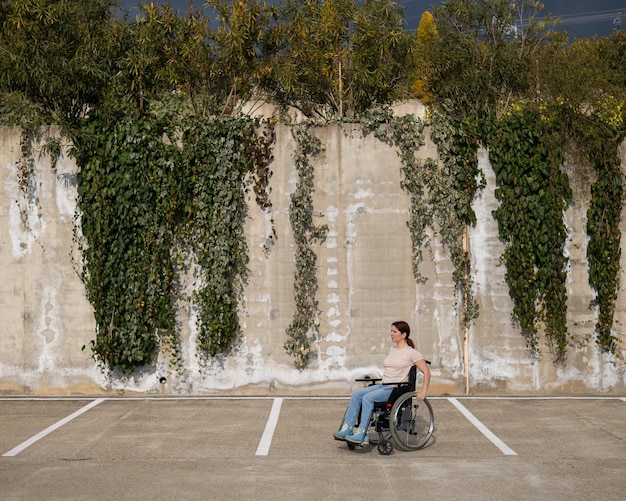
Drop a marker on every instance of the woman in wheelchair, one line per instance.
(397, 366)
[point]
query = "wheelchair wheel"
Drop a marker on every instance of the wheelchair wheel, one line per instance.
(385, 447)
(411, 422)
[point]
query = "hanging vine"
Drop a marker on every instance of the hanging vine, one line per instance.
(149, 187)
(533, 193)
(125, 184)
(440, 195)
(600, 142)
(218, 155)
(302, 331)
(457, 144)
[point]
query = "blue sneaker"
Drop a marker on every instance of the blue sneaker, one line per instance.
(343, 433)
(359, 438)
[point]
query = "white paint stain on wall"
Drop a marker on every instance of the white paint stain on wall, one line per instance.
(486, 226)
(334, 353)
(47, 330)
(361, 193)
(26, 222)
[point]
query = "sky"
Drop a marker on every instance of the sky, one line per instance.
(580, 18)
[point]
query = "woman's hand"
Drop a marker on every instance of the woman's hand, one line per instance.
(420, 396)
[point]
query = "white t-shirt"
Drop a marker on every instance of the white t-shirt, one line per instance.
(398, 364)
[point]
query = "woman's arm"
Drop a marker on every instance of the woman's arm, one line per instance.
(423, 367)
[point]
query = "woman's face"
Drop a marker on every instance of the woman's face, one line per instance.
(396, 335)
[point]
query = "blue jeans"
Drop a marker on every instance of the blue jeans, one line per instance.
(365, 398)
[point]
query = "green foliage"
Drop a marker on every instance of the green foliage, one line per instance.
(125, 202)
(147, 59)
(477, 60)
(152, 190)
(599, 143)
(441, 195)
(239, 47)
(162, 179)
(457, 143)
(54, 58)
(585, 78)
(473, 67)
(604, 252)
(586, 92)
(533, 195)
(52, 70)
(338, 57)
(302, 330)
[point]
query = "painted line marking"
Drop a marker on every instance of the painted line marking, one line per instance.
(623, 399)
(270, 426)
(308, 397)
(16, 450)
(482, 428)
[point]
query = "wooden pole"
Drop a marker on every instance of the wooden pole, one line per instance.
(465, 327)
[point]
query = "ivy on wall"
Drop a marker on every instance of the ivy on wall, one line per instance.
(126, 177)
(440, 194)
(457, 141)
(156, 189)
(600, 142)
(150, 190)
(440, 197)
(217, 155)
(533, 194)
(302, 330)
(526, 154)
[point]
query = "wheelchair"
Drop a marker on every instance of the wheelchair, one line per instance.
(403, 421)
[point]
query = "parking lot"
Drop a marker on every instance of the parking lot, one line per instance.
(282, 448)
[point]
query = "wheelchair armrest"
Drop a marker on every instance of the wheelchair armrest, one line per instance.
(369, 379)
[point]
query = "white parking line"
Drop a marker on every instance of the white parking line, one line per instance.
(270, 426)
(16, 450)
(482, 428)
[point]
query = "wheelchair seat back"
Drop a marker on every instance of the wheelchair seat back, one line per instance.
(382, 409)
(402, 388)
(399, 390)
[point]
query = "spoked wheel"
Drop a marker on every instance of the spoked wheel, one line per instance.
(385, 447)
(411, 422)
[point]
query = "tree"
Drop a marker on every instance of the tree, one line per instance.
(480, 60)
(337, 57)
(426, 33)
(238, 47)
(213, 70)
(54, 59)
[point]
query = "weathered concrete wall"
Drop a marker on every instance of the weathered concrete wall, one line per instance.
(45, 317)
(365, 283)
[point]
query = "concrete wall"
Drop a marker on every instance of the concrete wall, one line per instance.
(45, 318)
(365, 283)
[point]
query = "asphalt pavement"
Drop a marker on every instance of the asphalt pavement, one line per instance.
(279, 448)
